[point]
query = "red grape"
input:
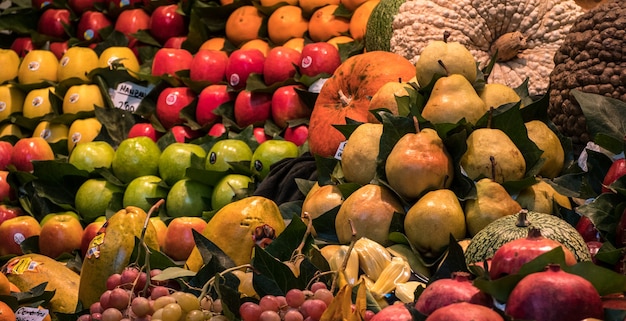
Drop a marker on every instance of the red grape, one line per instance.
(294, 298)
(313, 308)
(250, 311)
(269, 303)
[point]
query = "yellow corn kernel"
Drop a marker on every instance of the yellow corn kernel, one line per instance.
(351, 273)
(373, 257)
(405, 292)
(398, 271)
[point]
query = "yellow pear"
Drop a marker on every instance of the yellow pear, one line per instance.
(385, 97)
(358, 160)
(417, 163)
(551, 146)
(319, 200)
(491, 203)
(430, 221)
(456, 58)
(541, 197)
(491, 153)
(452, 99)
(370, 210)
(495, 95)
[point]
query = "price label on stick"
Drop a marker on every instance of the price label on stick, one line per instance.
(128, 95)
(30, 314)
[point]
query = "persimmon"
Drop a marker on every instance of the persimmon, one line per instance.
(6, 313)
(285, 23)
(324, 24)
(243, 24)
(358, 21)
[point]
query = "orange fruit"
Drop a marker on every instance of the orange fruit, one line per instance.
(295, 43)
(243, 24)
(258, 44)
(285, 23)
(14, 287)
(335, 41)
(5, 285)
(352, 5)
(216, 43)
(309, 6)
(271, 3)
(358, 21)
(6, 313)
(324, 25)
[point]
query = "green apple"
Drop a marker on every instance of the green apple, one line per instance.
(143, 192)
(135, 157)
(176, 158)
(95, 196)
(227, 151)
(91, 155)
(227, 188)
(270, 152)
(188, 198)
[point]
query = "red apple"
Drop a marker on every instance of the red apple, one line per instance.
(30, 149)
(217, 130)
(52, 21)
(319, 57)
(9, 212)
(130, 21)
(260, 135)
(242, 63)
(7, 193)
(169, 104)
(280, 64)
(166, 22)
(588, 230)
(616, 170)
(161, 230)
(209, 65)
(175, 42)
(22, 45)
(210, 98)
(179, 240)
(90, 24)
(59, 48)
(61, 233)
(80, 6)
(14, 231)
(90, 231)
(5, 154)
(252, 108)
(297, 134)
(171, 60)
(287, 105)
(144, 129)
(183, 133)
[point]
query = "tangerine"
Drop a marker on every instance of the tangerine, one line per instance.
(324, 24)
(259, 44)
(358, 21)
(310, 6)
(6, 313)
(295, 43)
(5, 285)
(336, 41)
(216, 43)
(352, 5)
(243, 24)
(285, 23)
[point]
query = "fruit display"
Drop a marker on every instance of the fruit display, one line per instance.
(311, 160)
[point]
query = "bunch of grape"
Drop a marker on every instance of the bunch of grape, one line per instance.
(128, 298)
(295, 305)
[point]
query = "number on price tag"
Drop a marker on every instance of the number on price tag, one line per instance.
(128, 95)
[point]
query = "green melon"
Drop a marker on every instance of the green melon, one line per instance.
(485, 243)
(379, 31)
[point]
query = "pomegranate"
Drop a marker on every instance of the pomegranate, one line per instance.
(395, 312)
(554, 295)
(465, 311)
(443, 292)
(510, 257)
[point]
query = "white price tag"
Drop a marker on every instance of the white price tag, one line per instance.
(128, 95)
(339, 151)
(30, 314)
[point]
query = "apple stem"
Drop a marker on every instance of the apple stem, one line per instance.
(345, 100)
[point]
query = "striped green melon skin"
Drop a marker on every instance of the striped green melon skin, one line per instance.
(379, 30)
(485, 243)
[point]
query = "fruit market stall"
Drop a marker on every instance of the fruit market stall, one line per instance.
(312, 160)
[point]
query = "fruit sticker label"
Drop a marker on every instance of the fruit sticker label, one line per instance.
(21, 265)
(94, 246)
(3, 106)
(128, 95)
(31, 314)
(339, 151)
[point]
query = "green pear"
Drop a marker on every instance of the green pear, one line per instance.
(541, 197)
(491, 203)
(417, 163)
(430, 221)
(385, 97)
(452, 99)
(551, 146)
(456, 58)
(491, 153)
(358, 160)
(495, 95)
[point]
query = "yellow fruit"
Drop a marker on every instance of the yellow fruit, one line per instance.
(10, 62)
(11, 130)
(271, 3)
(38, 66)
(216, 43)
(122, 55)
(324, 25)
(309, 6)
(285, 23)
(52, 133)
(11, 101)
(233, 226)
(295, 43)
(243, 24)
(83, 130)
(82, 98)
(360, 16)
(5, 285)
(77, 62)
(336, 41)
(258, 44)
(37, 102)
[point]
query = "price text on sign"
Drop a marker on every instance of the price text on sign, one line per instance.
(127, 95)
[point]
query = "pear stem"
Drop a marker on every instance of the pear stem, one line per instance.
(490, 116)
(440, 62)
(416, 124)
(492, 160)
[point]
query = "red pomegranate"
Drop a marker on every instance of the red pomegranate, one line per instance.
(443, 292)
(394, 312)
(510, 257)
(464, 311)
(554, 295)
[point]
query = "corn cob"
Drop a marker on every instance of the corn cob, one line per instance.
(373, 257)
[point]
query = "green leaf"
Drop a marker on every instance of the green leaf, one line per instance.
(453, 261)
(286, 243)
(604, 115)
(604, 280)
(281, 275)
(601, 211)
